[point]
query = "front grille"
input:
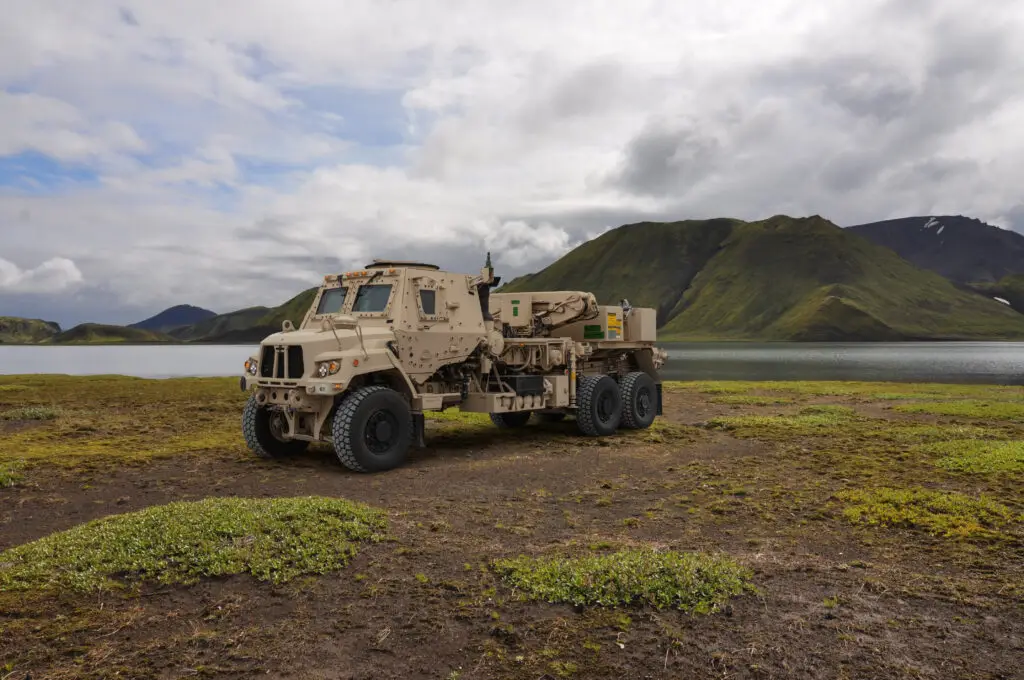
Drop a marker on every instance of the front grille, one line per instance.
(282, 361)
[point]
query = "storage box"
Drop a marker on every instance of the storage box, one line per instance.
(642, 325)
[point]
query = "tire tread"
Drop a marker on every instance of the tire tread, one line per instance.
(341, 425)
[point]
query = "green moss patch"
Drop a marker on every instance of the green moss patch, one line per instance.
(692, 582)
(749, 399)
(974, 455)
(861, 389)
(809, 421)
(30, 413)
(10, 474)
(116, 419)
(969, 408)
(942, 513)
(272, 539)
(455, 416)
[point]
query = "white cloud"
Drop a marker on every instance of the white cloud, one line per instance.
(54, 275)
(242, 146)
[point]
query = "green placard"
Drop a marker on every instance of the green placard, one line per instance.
(593, 332)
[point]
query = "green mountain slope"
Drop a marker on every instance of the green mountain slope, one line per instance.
(648, 263)
(221, 324)
(776, 279)
(248, 325)
(14, 329)
(100, 334)
(1009, 288)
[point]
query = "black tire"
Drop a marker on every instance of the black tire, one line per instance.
(258, 427)
(512, 419)
(639, 400)
(552, 417)
(372, 429)
(598, 405)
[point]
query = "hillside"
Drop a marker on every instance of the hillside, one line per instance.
(16, 330)
(961, 249)
(248, 325)
(776, 279)
(99, 334)
(1009, 288)
(174, 317)
(220, 324)
(649, 263)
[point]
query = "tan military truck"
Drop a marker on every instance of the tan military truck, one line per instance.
(380, 346)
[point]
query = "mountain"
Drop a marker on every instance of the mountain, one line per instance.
(100, 334)
(777, 279)
(14, 329)
(174, 317)
(650, 263)
(248, 325)
(1009, 288)
(220, 324)
(962, 249)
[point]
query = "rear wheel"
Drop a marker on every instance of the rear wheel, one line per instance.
(639, 400)
(512, 419)
(372, 429)
(264, 431)
(598, 405)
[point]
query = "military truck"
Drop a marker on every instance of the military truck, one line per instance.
(380, 346)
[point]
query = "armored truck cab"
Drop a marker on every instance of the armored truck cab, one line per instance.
(380, 346)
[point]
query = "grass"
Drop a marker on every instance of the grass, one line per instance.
(978, 456)
(749, 400)
(809, 420)
(30, 413)
(969, 408)
(850, 388)
(10, 474)
(942, 513)
(271, 539)
(692, 582)
(85, 421)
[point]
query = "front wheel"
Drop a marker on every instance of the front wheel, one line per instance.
(372, 429)
(598, 405)
(264, 432)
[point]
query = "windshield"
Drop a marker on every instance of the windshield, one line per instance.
(372, 298)
(332, 300)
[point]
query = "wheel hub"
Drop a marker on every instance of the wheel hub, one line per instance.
(604, 407)
(380, 430)
(643, 403)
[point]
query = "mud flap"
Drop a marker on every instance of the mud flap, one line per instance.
(418, 427)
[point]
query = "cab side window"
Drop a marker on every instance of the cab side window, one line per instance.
(428, 300)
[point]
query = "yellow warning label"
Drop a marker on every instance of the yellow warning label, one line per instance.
(614, 323)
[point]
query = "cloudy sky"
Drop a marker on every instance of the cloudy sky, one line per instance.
(229, 153)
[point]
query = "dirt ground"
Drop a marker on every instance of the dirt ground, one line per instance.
(835, 599)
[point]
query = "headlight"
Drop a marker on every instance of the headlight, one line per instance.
(328, 368)
(250, 366)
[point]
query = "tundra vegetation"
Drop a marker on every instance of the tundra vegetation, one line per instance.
(876, 528)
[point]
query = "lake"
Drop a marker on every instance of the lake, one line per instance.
(962, 362)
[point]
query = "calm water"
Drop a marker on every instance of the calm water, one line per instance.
(979, 362)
